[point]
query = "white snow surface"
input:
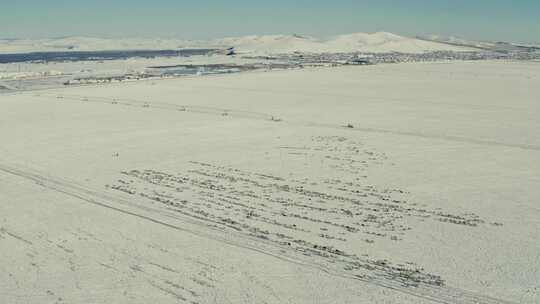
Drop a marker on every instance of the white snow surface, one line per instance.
(240, 188)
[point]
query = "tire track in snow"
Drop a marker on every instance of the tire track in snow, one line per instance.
(436, 294)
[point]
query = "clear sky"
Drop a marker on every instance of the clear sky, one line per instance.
(508, 20)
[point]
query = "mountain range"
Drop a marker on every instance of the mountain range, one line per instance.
(380, 42)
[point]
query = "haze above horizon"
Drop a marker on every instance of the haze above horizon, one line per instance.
(496, 20)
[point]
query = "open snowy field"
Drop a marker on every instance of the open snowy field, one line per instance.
(405, 183)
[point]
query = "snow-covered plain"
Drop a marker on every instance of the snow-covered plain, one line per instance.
(265, 44)
(410, 183)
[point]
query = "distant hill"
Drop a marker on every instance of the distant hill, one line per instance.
(482, 45)
(357, 42)
(89, 44)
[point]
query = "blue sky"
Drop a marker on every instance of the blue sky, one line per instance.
(517, 20)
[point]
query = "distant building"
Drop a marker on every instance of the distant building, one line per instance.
(230, 51)
(359, 61)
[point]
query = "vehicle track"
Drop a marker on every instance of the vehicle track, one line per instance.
(277, 118)
(437, 294)
(164, 106)
(483, 142)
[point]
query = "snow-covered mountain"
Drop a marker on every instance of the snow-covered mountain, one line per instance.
(267, 44)
(482, 45)
(357, 42)
(386, 42)
(271, 44)
(89, 44)
(457, 41)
